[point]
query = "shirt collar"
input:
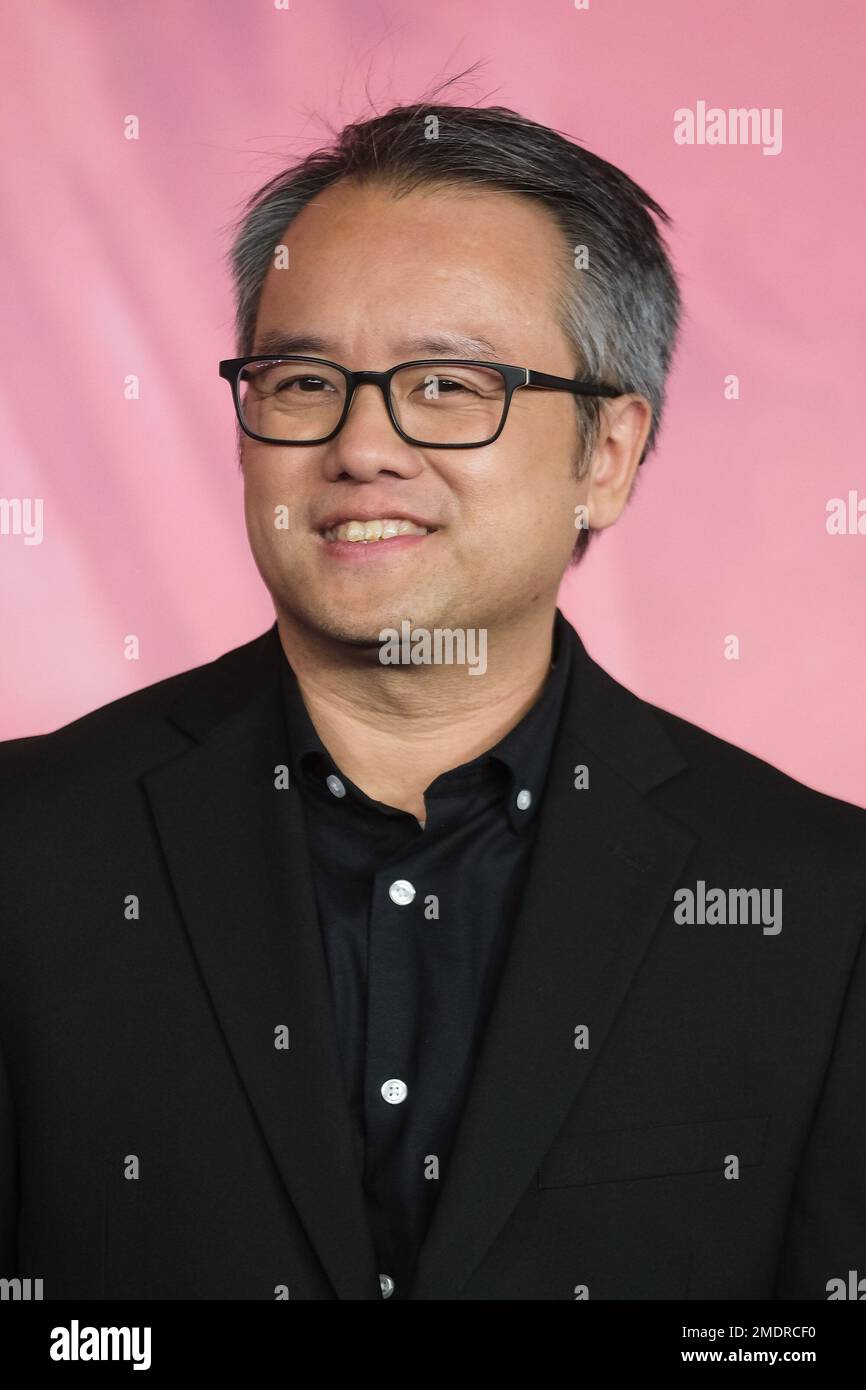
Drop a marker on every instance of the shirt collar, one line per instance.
(523, 754)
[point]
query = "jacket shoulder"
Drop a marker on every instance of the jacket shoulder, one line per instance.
(135, 721)
(705, 776)
(734, 781)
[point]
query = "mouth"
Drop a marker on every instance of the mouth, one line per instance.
(378, 531)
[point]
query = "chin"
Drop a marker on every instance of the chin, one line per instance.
(359, 631)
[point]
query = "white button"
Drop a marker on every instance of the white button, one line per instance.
(395, 1090)
(401, 892)
(524, 800)
(335, 785)
(386, 1284)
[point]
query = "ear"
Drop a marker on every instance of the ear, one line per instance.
(624, 427)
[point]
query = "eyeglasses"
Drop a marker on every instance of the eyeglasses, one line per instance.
(435, 402)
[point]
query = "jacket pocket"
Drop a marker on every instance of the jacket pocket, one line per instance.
(657, 1151)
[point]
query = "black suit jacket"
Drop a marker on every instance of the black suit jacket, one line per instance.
(155, 1143)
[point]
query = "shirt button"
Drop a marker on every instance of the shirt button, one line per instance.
(335, 785)
(524, 800)
(386, 1284)
(401, 892)
(395, 1090)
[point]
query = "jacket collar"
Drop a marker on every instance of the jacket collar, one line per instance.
(518, 762)
(621, 727)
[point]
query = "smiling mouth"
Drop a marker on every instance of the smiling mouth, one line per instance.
(373, 532)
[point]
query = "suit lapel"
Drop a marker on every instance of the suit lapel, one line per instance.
(605, 864)
(235, 848)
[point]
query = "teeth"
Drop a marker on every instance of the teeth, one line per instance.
(373, 530)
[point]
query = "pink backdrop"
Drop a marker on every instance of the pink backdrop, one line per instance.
(112, 254)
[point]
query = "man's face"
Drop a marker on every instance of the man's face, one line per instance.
(373, 277)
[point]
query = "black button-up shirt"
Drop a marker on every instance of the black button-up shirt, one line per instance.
(416, 922)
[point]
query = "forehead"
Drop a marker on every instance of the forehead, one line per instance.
(366, 264)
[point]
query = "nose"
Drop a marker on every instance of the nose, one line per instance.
(368, 443)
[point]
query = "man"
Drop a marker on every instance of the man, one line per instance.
(402, 952)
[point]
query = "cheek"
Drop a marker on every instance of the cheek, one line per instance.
(533, 488)
(268, 500)
(255, 501)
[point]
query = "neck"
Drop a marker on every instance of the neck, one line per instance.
(392, 730)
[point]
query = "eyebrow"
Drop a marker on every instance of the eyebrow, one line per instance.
(438, 344)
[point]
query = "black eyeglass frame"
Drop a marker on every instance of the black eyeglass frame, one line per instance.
(516, 378)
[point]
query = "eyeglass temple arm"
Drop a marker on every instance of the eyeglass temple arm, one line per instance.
(561, 383)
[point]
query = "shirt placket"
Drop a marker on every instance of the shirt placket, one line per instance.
(391, 1095)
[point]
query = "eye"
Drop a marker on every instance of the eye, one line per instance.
(448, 381)
(433, 387)
(310, 385)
